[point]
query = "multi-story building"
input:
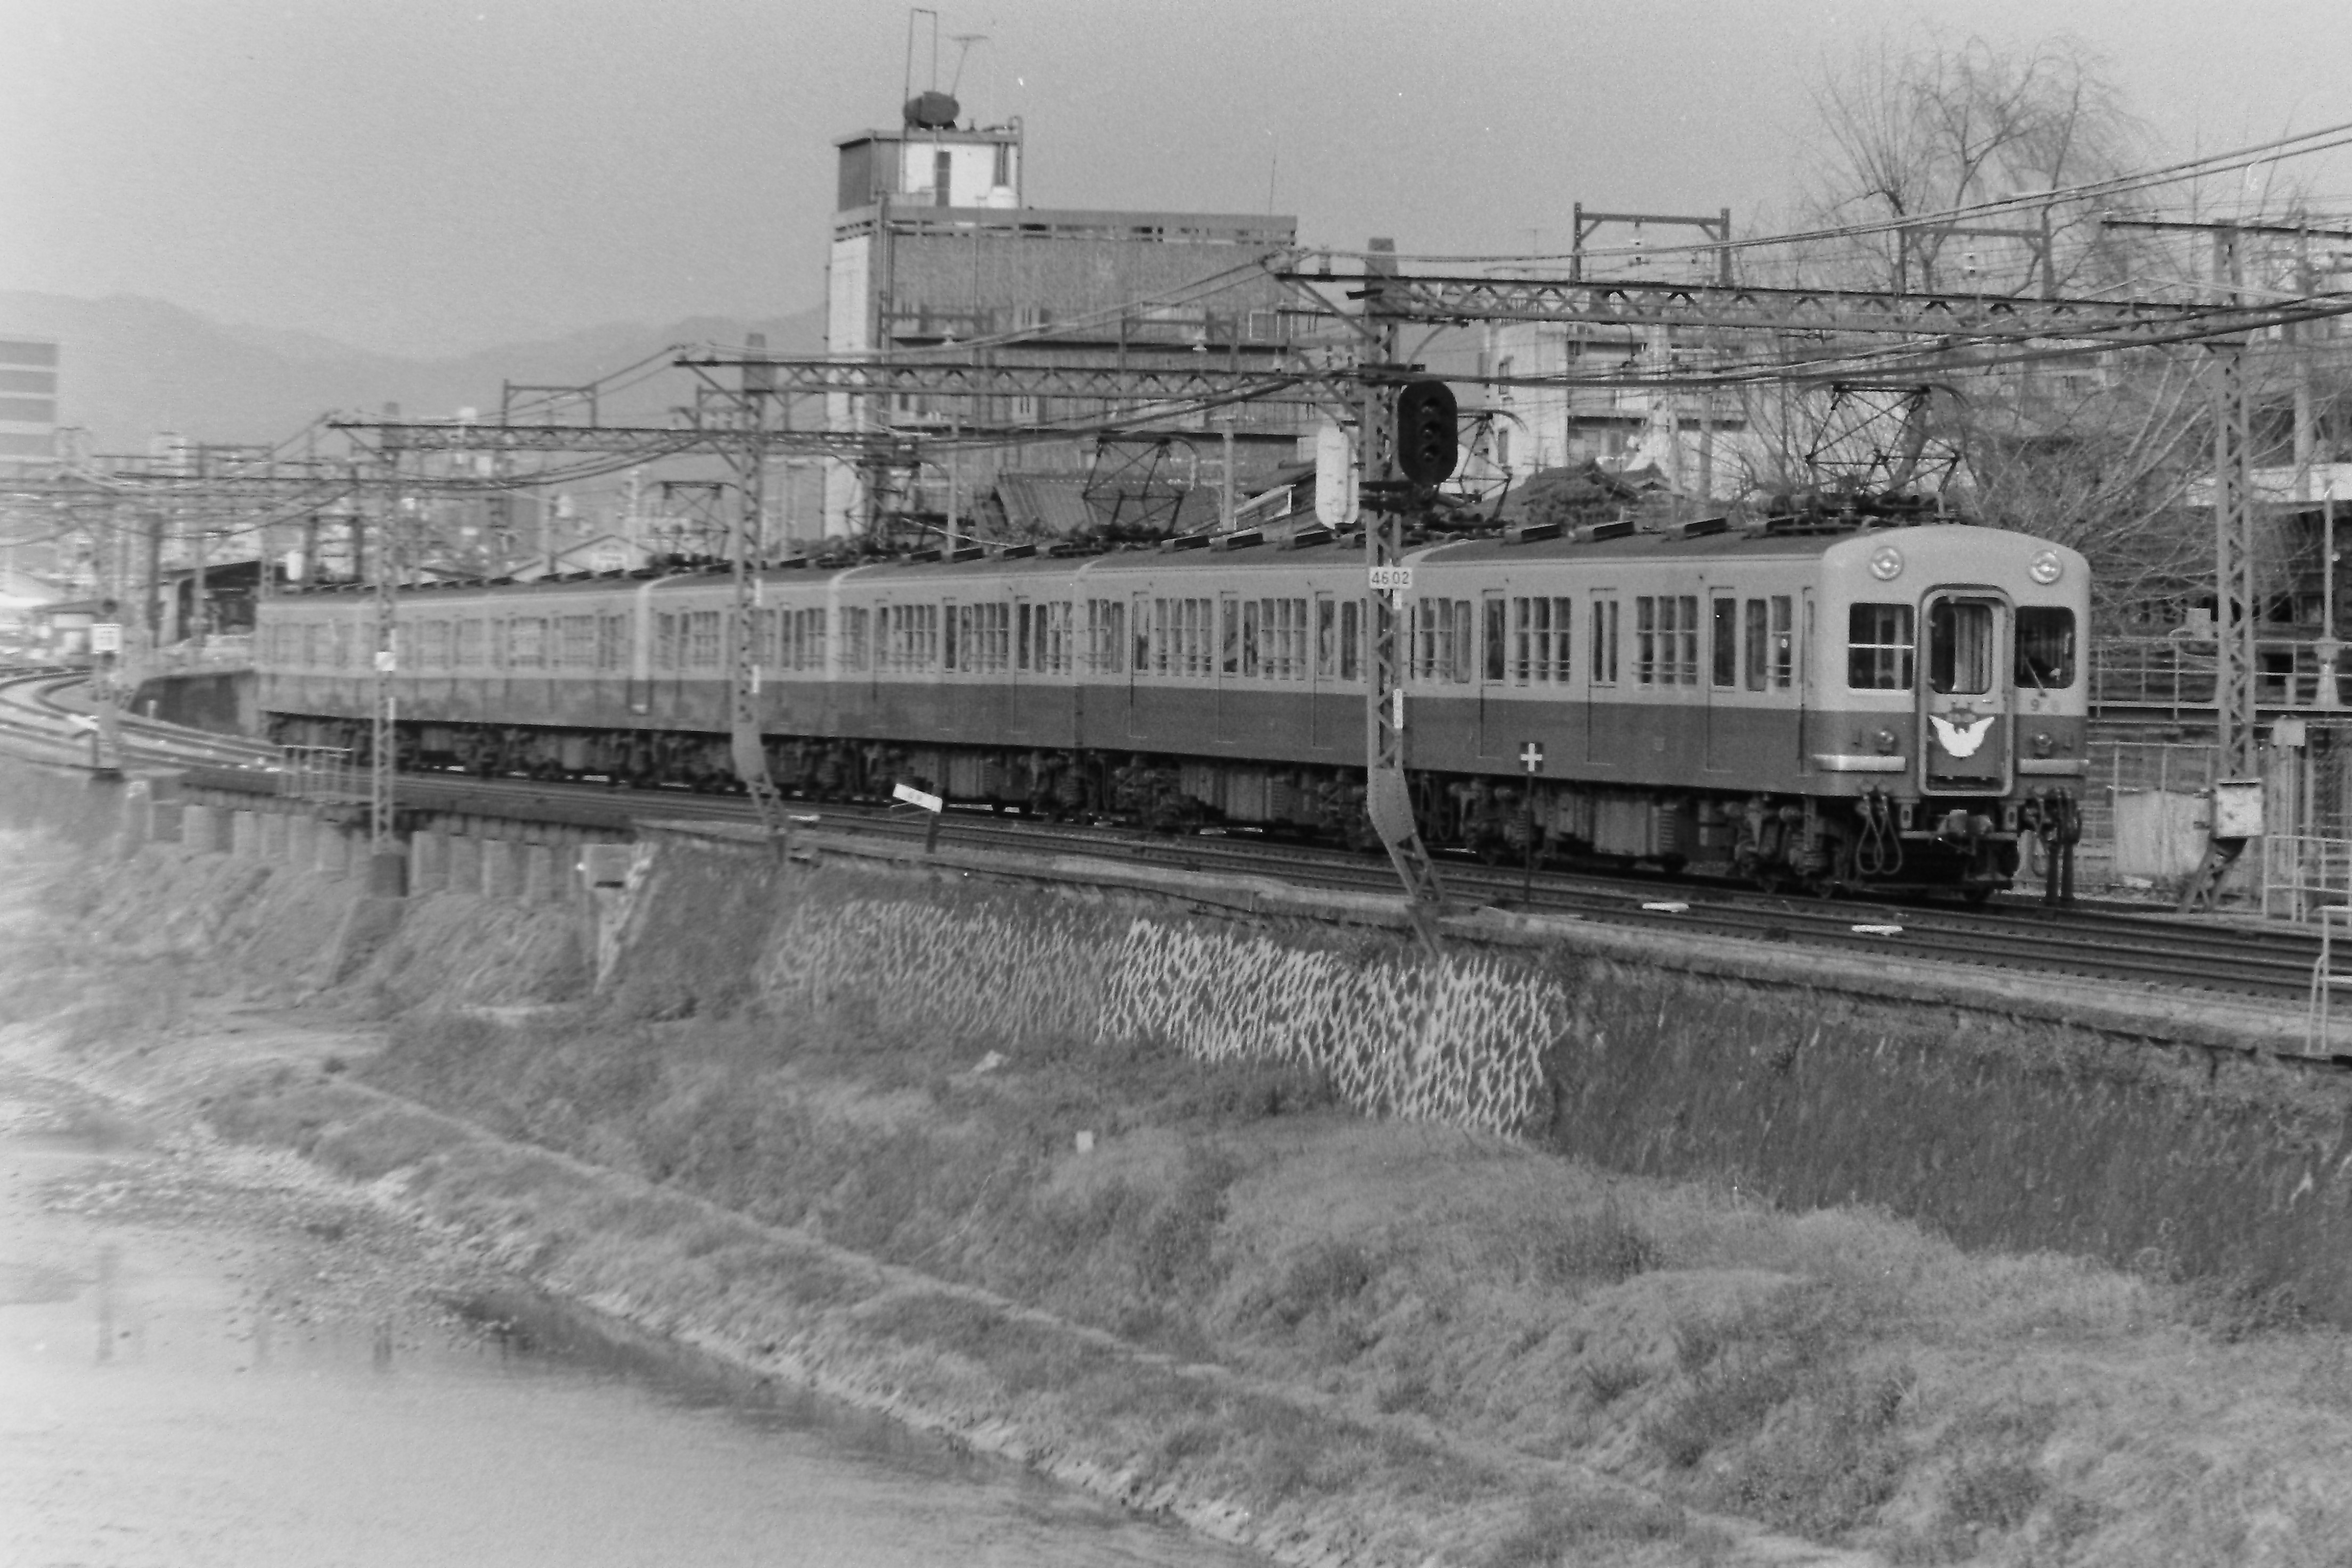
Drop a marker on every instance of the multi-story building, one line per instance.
(28, 402)
(1699, 441)
(932, 247)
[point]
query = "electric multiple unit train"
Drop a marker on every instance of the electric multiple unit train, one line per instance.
(1890, 708)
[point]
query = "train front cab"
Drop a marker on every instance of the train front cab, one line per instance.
(1966, 704)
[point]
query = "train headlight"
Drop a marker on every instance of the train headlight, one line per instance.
(2047, 567)
(1885, 741)
(1886, 564)
(2042, 744)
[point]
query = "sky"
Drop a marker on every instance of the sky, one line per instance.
(427, 177)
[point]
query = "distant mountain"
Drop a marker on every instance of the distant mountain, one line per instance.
(129, 367)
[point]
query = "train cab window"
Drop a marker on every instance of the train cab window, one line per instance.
(1878, 647)
(2045, 647)
(1723, 651)
(1959, 646)
(1541, 630)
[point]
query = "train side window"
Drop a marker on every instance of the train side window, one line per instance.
(852, 639)
(2045, 647)
(1959, 646)
(470, 637)
(1497, 639)
(1759, 650)
(1879, 647)
(1327, 637)
(1540, 640)
(1351, 639)
(1106, 636)
(1665, 639)
(1604, 641)
(1243, 626)
(1289, 620)
(1725, 651)
(1784, 643)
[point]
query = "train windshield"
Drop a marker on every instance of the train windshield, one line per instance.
(2045, 647)
(1959, 646)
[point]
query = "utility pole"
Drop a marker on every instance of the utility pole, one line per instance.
(1388, 794)
(2234, 812)
(750, 457)
(384, 731)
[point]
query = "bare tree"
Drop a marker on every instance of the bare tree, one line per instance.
(2096, 452)
(1911, 131)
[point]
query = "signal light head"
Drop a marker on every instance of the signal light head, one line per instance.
(1427, 444)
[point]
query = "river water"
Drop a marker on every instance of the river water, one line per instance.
(198, 1368)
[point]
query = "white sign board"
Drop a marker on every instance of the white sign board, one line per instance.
(384, 662)
(105, 636)
(1334, 476)
(914, 796)
(2238, 808)
(1392, 579)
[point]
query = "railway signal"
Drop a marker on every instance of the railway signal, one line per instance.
(1428, 442)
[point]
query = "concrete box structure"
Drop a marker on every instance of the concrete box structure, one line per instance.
(932, 245)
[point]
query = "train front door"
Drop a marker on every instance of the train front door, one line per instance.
(1965, 695)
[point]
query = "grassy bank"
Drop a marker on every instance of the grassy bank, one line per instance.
(917, 1169)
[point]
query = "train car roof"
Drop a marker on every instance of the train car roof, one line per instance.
(1491, 550)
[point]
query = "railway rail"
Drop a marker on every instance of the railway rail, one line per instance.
(2218, 957)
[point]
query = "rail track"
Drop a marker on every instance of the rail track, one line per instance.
(2092, 941)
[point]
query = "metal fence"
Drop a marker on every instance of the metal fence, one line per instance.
(2175, 675)
(318, 774)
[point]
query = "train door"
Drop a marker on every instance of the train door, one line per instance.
(1964, 696)
(1496, 724)
(641, 653)
(1227, 666)
(1722, 681)
(1605, 739)
(1028, 654)
(1322, 732)
(1808, 700)
(1145, 640)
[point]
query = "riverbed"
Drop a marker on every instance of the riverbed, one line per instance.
(215, 1357)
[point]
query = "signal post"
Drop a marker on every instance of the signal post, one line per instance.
(1406, 443)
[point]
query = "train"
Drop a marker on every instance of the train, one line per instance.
(1823, 707)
